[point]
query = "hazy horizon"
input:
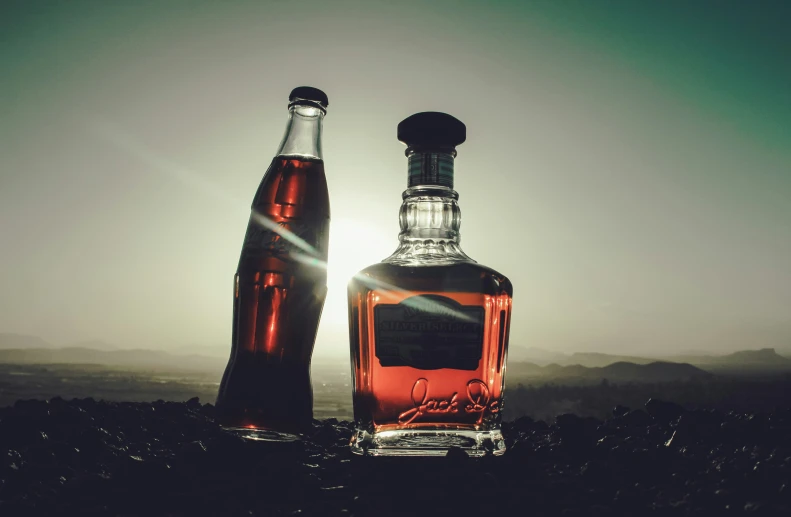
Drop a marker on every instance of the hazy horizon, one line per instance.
(522, 352)
(627, 165)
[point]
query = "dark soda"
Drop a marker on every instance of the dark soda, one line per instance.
(279, 291)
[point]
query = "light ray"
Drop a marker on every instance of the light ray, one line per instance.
(133, 146)
(262, 220)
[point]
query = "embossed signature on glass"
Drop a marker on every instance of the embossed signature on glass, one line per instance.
(478, 401)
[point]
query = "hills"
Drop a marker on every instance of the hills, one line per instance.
(25, 349)
(763, 357)
(617, 372)
(538, 356)
(523, 362)
(743, 357)
(745, 362)
(595, 359)
(95, 344)
(589, 367)
(146, 359)
(543, 357)
(11, 340)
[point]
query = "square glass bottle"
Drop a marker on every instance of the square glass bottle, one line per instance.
(428, 326)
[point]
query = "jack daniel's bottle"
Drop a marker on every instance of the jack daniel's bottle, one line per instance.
(428, 325)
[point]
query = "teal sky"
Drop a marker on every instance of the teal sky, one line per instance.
(627, 166)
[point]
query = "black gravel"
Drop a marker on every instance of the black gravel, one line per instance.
(83, 457)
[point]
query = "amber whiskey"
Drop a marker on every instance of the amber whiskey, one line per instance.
(428, 325)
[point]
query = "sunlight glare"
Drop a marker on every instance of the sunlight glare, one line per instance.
(354, 245)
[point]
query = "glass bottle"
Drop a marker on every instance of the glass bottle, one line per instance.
(428, 325)
(280, 285)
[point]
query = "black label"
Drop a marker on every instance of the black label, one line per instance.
(429, 332)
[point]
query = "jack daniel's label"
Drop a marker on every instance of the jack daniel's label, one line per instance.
(429, 332)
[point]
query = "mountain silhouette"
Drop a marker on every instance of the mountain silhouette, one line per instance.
(745, 361)
(94, 344)
(747, 357)
(538, 356)
(749, 361)
(149, 359)
(621, 371)
(596, 359)
(11, 340)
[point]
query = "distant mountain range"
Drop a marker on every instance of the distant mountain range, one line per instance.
(616, 372)
(9, 340)
(148, 359)
(599, 360)
(95, 344)
(522, 362)
(765, 357)
(539, 356)
(544, 357)
(26, 342)
(19, 349)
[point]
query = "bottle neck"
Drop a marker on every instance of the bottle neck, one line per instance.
(430, 216)
(303, 132)
(430, 212)
(430, 167)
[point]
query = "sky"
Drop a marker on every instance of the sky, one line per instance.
(627, 164)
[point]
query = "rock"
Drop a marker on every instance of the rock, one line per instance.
(663, 411)
(619, 410)
(569, 422)
(675, 440)
(192, 452)
(637, 418)
(523, 423)
(694, 426)
(32, 408)
(455, 455)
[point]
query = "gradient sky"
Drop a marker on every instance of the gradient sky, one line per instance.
(627, 165)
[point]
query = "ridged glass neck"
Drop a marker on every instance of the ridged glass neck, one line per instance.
(430, 228)
(303, 132)
(430, 212)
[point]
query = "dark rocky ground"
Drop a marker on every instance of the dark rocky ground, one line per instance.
(83, 457)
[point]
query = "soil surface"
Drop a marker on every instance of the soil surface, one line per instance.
(83, 457)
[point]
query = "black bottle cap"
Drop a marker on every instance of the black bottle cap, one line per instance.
(308, 93)
(431, 129)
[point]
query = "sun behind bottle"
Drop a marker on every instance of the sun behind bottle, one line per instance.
(428, 325)
(280, 286)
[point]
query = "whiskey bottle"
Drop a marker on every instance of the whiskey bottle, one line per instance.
(428, 326)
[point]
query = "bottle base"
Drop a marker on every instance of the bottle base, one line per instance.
(264, 435)
(427, 442)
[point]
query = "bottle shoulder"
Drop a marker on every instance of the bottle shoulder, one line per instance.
(293, 187)
(456, 277)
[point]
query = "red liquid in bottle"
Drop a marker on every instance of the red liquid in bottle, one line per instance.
(279, 292)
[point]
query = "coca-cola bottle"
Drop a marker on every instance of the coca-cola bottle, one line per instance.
(280, 285)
